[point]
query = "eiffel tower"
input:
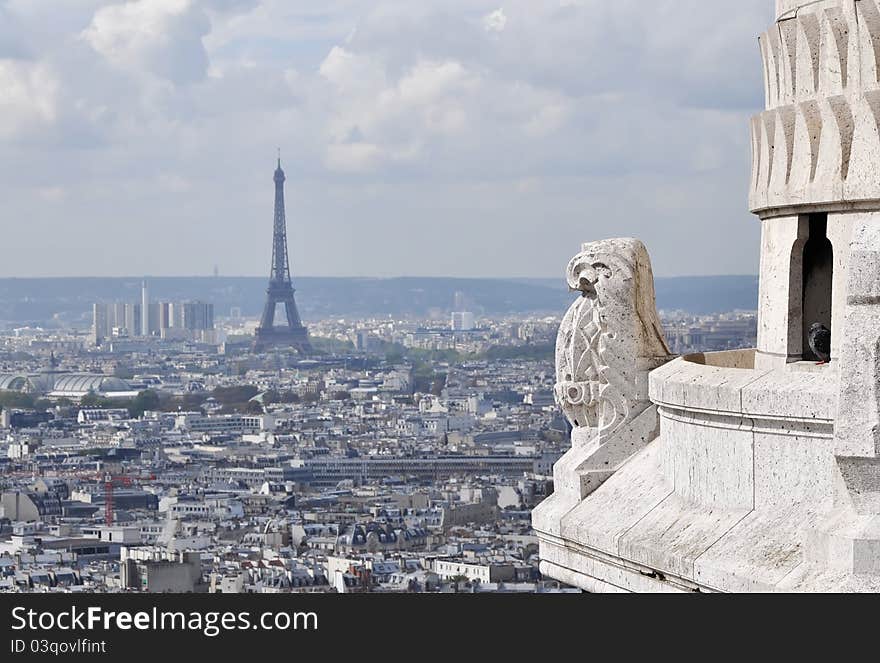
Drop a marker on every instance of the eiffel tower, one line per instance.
(292, 335)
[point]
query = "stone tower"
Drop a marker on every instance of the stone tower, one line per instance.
(753, 470)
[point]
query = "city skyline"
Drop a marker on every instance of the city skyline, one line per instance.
(533, 343)
(449, 121)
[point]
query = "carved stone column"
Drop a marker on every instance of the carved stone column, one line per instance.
(848, 539)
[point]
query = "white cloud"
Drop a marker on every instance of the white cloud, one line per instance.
(495, 21)
(480, 119)
(350, 72)
(428, 81)
(549, 117)
(397, 116)
(353, 157)
(158, 36)
(29, 98)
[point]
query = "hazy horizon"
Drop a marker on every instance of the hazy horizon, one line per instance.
(322, 297)
(294, 277)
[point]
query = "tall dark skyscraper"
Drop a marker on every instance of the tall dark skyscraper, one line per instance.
(293, 334)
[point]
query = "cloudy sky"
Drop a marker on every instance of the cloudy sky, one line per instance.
(419, 137)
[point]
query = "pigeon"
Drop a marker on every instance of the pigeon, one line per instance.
(820, 342)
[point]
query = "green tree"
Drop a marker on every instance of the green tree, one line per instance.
(235, 395)
(123, 372)
(145, 400)
(15, 399)
(253, 407)
(185, 403)
(91, 399)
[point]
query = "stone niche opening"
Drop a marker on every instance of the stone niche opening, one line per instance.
(817, 279)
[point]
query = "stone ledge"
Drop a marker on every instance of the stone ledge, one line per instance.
(596, 573)
(788, 395)
(643, 538)
(670, 520)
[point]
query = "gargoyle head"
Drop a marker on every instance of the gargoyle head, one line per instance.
(586, 277)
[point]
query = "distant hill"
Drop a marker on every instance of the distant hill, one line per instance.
(700, 295)
(70, 299)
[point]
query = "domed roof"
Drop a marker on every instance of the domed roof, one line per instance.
(12, 381)
(86, 382)
(23, 382)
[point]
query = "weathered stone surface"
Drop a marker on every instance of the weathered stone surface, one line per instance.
(779, 322)
(624, 500)
(847, 540)
(711, 459)
(674, 535)
(816, 142)
(765, 472)
(858, 426)
(793, 394)
(608, 342)
(757, 554)
(610, 338)
(802, 462)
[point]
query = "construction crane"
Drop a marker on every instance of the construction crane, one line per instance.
(111, 482)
